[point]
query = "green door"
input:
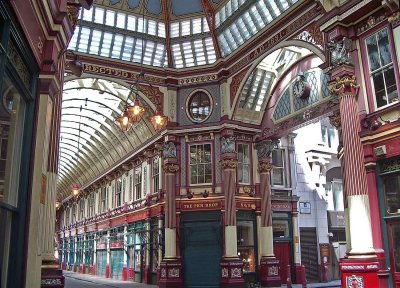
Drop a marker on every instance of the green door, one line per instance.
(117, 264)
(201, 251)
(101, 262)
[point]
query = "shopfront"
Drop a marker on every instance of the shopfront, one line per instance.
(136, 251)
(389, 182)
(17, 101)
(117, 253)
(101, 255)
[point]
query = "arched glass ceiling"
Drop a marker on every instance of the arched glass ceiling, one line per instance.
(90, 141)
(258, 86)
(117, 29)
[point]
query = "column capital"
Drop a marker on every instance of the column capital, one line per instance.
(264, 167)
(265, 148)
(344, 85)
(171, 168)
(228, 163)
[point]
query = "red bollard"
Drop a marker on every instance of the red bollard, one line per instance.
(289, 277)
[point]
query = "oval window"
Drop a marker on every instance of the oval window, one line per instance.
(199, 106)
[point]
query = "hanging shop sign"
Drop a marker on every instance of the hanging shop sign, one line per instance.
(115, 245)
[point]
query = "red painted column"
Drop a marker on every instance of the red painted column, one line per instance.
(170, 266)
(231, 264)
(361, 263)
(269, 265)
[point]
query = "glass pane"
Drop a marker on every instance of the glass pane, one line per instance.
(277, 176)
(395, 229)
(5, 233)
(379, 87)
(373, 56)
(384, 48)
(391, 87)
(392, 194)
(11, 128)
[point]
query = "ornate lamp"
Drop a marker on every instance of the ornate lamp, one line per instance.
(158, 120)
(135, 111)
(124, 121)
(75, 190)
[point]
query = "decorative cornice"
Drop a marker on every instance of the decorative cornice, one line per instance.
(394, 18)
(228, 163)
(171, 168)
(344, 86)
(264, 167)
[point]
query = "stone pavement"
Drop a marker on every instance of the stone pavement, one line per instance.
(78, 280)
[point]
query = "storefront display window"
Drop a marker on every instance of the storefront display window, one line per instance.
(245, 240)
(392, 193)
(12, 115)
(395, 231)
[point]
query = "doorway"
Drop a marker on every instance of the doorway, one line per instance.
(201, 250)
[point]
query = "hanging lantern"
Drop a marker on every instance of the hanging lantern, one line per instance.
(75, 190)
(158, 120)
(124, 121)
(58, 204)
(136, 111)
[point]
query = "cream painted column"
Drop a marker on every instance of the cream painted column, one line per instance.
(36, 238)
(225, 100)
(108, 255)
(94, 269)
(296, 238)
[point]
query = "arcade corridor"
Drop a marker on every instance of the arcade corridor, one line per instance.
(201, 143)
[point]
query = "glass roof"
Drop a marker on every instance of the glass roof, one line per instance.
(90, 141)
(260, 83)
(126, 34)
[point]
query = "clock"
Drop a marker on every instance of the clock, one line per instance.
(301, 89)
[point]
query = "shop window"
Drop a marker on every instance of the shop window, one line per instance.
(200, 164)
(395, 235)
(118, 193)
(278, 168)
(138, 183)
(392, 193)
(280, 228)
(156, 174)
(123, 189)
(244, 163)
(245, 245)
(112, 192)
(381, 68)
(199, 106)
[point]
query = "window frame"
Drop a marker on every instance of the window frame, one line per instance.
(118, 192)
(211, 163)
(283, 167)
(138, 183)
(155, 173)
(241, 164)
(188, 105)
(372, 103)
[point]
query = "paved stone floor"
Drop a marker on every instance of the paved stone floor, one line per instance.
(77, 280)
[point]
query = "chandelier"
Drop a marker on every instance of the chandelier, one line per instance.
(132, 114)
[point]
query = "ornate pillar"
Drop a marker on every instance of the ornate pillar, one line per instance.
(269, 265)
(147, 268)
(125, 267)
(94, 267)
(108, 255)
(170, 266)
(231, 265)
(361, 263)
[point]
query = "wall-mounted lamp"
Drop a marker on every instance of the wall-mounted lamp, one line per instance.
(75, 65)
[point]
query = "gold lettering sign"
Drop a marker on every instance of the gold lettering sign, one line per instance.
(391, 166)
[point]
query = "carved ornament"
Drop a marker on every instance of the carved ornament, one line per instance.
(72, 12)
(228, 163)
(264, 167)
(169, 150)
(228, 144)
(344, 86)
(171, 168)
(394, 18)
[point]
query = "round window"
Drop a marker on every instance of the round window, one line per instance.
(199, 106)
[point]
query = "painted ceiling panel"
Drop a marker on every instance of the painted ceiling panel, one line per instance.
(184, 7)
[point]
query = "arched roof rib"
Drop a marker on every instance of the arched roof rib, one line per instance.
(89, 108)
(94, 144)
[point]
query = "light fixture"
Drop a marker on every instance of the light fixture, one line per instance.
(136, 111)
(58, 204)
(75, 190)
(75, 65)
